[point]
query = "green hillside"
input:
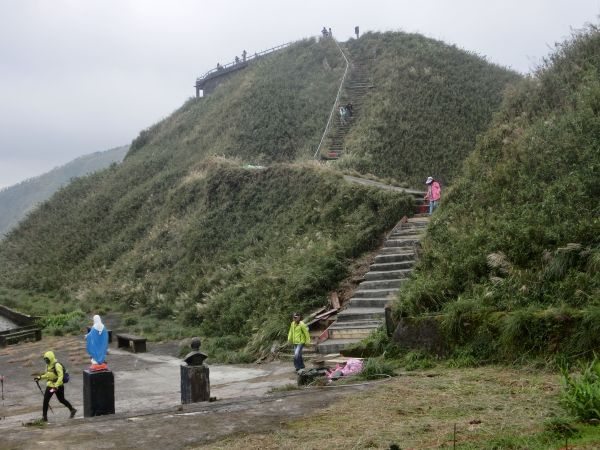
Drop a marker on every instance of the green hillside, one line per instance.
(512, 259)
(429, 102)
(187, 235)
(16, 201)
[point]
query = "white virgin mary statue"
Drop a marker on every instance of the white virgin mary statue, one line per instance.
(97, 342)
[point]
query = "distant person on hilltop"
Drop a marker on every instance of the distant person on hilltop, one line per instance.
(330, 33)
(356, 31)
(299, 337)
(237, 60)
(324, 32)
(434, 192)
(244, 56)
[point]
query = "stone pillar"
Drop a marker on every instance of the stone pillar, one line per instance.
(98, 393)
(195, 384)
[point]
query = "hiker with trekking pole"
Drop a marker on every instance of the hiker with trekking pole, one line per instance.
(55, 376)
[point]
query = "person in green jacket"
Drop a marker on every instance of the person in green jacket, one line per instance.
(54, 384)
(298, 336)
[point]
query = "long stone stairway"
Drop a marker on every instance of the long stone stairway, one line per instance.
(356, 88)
(364, 312)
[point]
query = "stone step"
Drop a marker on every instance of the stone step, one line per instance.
(396, 251)
(369, 302)
(375, 293)
(381, 284)
(406, 242)
(373, 275)
(353, 314)
(360, 323)
(414, 231)
(335, 345)
(394, 257)
(382, 267)
(353, 333)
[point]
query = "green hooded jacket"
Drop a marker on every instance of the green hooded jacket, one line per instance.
(299, 334)
(54, 371)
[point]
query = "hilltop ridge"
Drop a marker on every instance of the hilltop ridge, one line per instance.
(17, 200)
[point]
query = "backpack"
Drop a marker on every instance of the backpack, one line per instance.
(66, 376)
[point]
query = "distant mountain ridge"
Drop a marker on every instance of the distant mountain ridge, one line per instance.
(18, 200)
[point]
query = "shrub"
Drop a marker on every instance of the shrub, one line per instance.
(417, 360)
(373, 368)
(581, 395)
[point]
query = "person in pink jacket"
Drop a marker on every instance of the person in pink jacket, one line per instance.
(434, 192)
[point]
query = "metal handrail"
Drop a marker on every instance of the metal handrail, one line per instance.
(335, 103)
(249, 58)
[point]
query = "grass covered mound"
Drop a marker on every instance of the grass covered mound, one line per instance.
(231, 250)
(512, 258)
(429, 102)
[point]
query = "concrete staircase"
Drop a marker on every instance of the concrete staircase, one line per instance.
(356, 88)
(364, 312)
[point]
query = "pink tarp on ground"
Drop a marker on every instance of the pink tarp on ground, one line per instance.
(352, 367)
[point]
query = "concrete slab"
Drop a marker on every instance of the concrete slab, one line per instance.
(143, 381)
(6, 324)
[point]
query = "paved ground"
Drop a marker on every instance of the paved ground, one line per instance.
(147, 399)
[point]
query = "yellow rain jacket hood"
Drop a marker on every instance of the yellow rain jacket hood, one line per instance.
(54, 371)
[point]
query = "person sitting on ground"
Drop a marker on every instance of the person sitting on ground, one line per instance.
(299, 337)
(434, 192)
(219, 66)
(54, 377)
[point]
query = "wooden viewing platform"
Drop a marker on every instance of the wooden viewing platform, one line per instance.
(209, 80)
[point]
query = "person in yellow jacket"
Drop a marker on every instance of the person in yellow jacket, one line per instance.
(54, 384)
(298, 336)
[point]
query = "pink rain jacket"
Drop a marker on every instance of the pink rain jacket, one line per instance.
(434, 191)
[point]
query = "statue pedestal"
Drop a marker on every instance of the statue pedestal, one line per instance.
(195, 384)
(98, 393)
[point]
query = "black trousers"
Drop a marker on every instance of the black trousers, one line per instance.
(60, 395)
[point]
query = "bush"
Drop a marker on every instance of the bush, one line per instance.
(373, 368)
(417, 360)
(581, 395)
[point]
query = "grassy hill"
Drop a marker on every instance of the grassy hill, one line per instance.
(184, 237)
(512, 259)
(429, 102)
(16, 201)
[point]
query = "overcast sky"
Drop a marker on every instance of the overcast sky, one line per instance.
(78, 76)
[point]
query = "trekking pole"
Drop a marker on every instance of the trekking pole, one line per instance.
(42, 392)
(2, 384)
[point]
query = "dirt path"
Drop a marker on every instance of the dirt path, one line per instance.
(377, 184)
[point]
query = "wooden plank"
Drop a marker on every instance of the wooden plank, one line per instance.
(334, 300)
